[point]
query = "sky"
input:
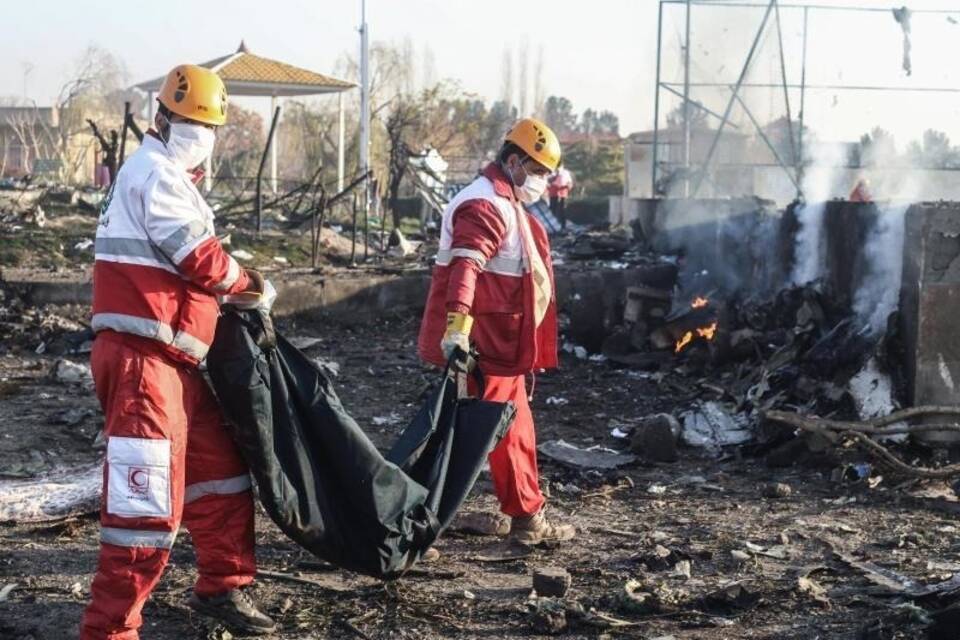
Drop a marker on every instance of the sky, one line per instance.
(599, 54)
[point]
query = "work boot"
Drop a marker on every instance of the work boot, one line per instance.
(531, 530)
(484, 523)
(236, 610)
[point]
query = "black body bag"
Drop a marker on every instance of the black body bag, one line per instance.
(318, 475)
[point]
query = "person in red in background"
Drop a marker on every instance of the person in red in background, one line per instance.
(558, 187)
(861, 191)
(158, 272)
(493, 285)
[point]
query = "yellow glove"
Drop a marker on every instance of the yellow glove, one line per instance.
(457, 333)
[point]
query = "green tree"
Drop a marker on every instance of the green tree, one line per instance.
(599, 123)
(558, 115)
(878, 148)
(597, 167)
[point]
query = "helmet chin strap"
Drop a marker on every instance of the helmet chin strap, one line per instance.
(507, 169)
(164, 139)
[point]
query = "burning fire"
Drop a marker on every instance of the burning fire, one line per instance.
(684, 341)
(707, 333)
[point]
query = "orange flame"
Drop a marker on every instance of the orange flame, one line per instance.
(699, 302)
(684, 341)
(707, 333)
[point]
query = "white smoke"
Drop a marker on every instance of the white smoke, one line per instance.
(809, 256)
(879, 294)
(819, 185)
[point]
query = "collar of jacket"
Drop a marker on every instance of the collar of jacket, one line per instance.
(502, 184)
(152, 139)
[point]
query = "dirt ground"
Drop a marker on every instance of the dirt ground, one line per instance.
(687, 532)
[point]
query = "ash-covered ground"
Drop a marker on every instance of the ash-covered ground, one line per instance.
(715, 545)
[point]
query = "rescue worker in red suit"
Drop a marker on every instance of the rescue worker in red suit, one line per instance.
(158, 274)
(493, 286)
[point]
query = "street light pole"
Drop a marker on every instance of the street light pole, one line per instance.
(365, 106)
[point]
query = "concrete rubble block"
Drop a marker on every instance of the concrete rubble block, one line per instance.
(646, 303)
(551, 581)
(930, 306)
(655, 438)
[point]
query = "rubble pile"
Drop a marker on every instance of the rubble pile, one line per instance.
(40, 329)
(738, 358)
(25, 205)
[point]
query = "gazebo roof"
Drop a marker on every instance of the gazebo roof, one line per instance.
(246, 74)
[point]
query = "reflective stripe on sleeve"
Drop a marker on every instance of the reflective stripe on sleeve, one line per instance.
(497, 264)
(182, 241)
(190, 345)
(233, 273)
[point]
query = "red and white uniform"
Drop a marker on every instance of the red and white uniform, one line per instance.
(485, 268)
(158, 270)
(159, 265)
(560, 184)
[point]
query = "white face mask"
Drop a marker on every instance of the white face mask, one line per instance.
(532, 188)
(188, 145)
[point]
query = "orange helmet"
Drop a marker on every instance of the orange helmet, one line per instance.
(196, 93)
(537, 140)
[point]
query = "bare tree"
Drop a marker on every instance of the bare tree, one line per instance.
(506, 80)
(54, 134)
(523, 60)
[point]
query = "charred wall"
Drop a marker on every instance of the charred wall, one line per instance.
(846, 227)
(734, 241)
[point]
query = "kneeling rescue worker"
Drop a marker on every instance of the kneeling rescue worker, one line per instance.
(493, 285)
(158, 273)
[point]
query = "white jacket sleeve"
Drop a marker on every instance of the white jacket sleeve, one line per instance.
(180, 224)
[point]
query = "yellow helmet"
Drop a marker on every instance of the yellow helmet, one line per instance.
(537, 140)
(195, 92)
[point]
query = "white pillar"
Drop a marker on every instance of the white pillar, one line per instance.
(150, 106)
(340, 143)
(273, 146)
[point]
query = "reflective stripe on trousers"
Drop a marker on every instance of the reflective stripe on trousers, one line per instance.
(227, 486)
(137, 538)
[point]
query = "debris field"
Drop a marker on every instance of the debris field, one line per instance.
(715, 544)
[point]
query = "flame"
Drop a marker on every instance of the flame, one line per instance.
(699, 303)
(684, 341)
(707, 333)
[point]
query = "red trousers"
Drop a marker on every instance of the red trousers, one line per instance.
(168, 458)
(513, 463)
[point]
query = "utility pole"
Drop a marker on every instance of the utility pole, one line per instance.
(686, 108)
(365, 106)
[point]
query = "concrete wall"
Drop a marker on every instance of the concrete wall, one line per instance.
(930, 302)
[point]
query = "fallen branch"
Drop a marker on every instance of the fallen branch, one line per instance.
(874, 425)
(286, 577)
(860, 432)
(924, 472)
